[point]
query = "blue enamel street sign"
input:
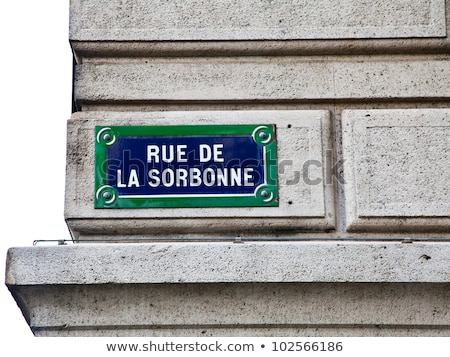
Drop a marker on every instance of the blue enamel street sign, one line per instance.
(185, 166)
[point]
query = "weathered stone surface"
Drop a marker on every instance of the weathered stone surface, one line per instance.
(234, 309)
(306, 198)
(226, 289)
(134, 20)
(240, 330)
(253, 79)
(310, 271)
(270, 262)
(397, 170)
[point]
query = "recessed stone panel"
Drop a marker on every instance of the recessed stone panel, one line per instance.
(186, 20)
(397, 170)
(305, 195)
(250, 262)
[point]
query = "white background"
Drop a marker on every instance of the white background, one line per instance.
(35, 83)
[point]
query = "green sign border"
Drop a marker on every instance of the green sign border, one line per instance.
(263, 134)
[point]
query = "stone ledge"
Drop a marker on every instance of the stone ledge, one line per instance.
(285, 262)
(92, 50)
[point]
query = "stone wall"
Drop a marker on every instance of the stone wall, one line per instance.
(359, 242)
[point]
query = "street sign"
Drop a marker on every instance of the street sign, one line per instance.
(185, 166)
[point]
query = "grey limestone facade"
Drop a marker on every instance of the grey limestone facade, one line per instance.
(359, 243)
